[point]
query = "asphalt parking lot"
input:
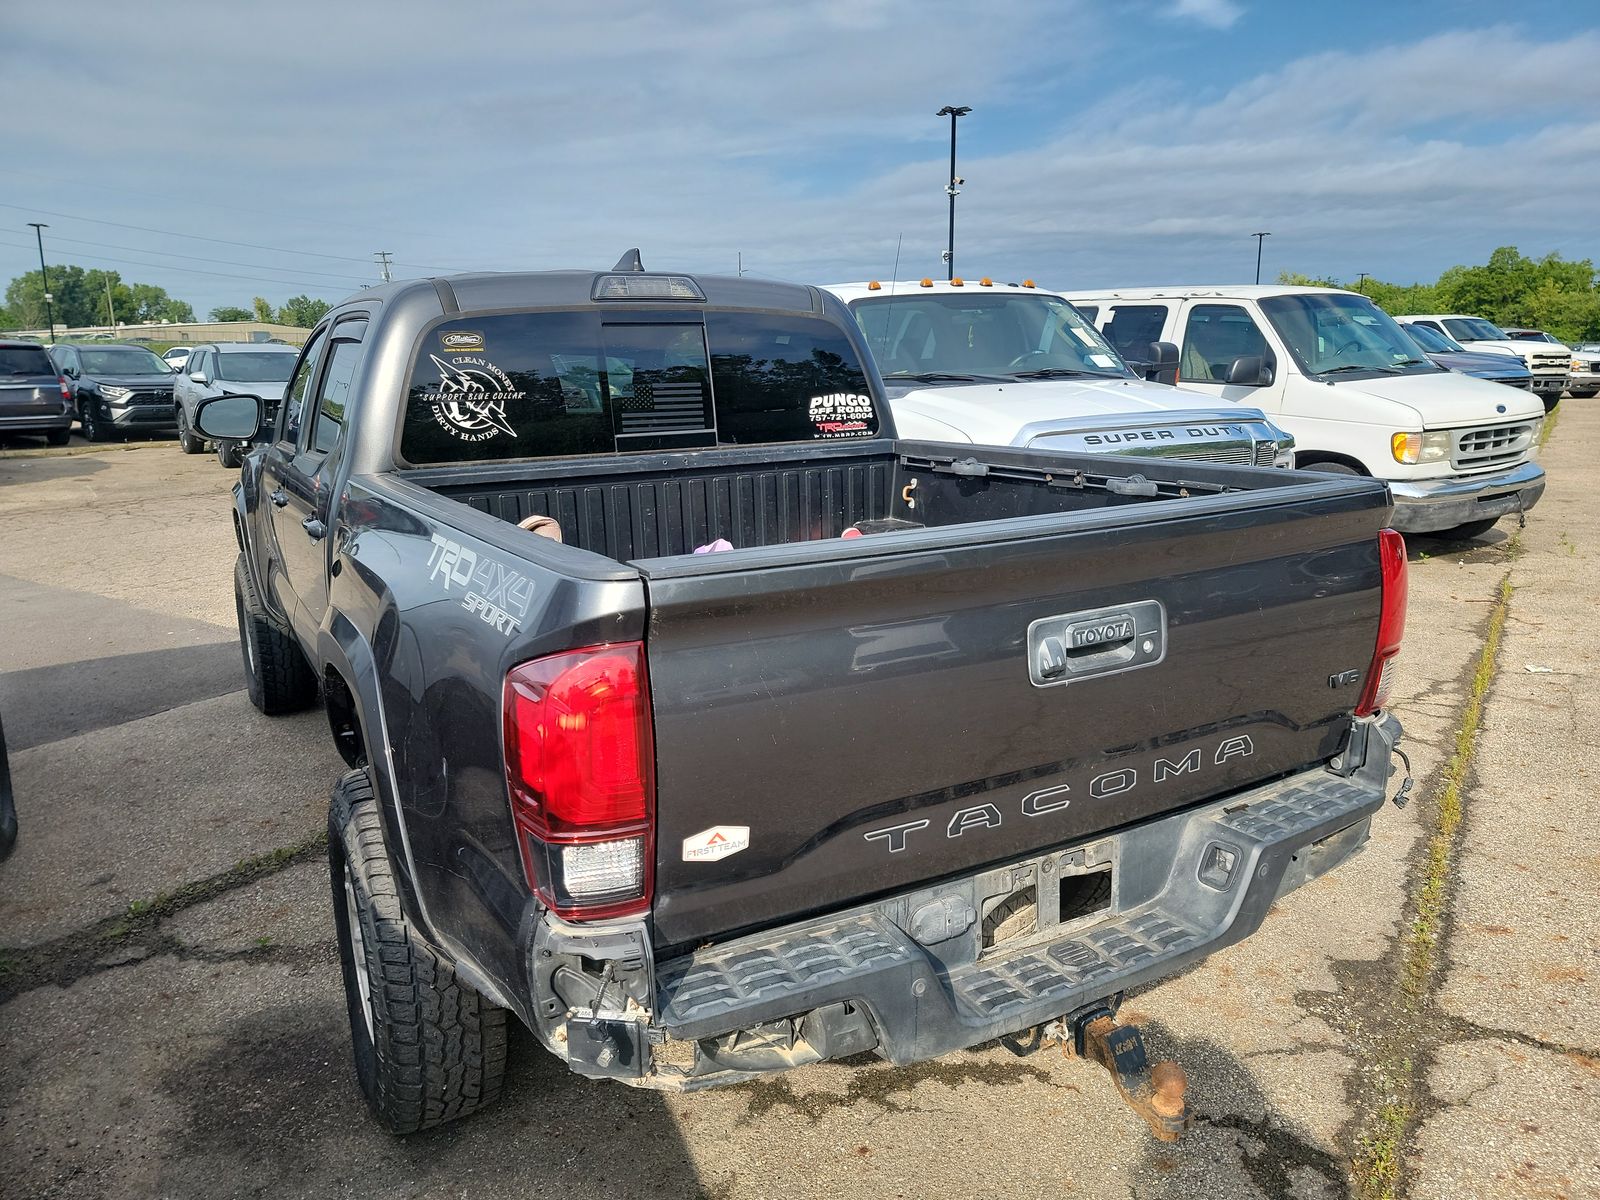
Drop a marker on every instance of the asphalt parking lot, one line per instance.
(172, 1024)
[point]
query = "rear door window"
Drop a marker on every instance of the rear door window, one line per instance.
(547, 384)
(1131, 329)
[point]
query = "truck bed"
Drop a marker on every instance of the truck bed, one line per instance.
(657, 506)
(868, 709)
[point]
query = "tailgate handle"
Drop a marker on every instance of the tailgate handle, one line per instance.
(1099, 641)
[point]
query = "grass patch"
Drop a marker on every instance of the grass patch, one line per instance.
(1423, 937)
(1549, 426)
(1382, 1150)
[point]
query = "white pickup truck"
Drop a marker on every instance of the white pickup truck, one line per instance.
(1356, 392)
(1550, 362)
(1006, 364)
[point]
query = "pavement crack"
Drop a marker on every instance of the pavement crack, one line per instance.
(136, 935)
(1388, 1009)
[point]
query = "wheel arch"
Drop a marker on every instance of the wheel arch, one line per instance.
(1305, 459)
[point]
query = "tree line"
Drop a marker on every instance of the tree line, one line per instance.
(82, 297)
(1549, 293)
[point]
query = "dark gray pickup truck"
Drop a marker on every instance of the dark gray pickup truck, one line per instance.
(780, 739)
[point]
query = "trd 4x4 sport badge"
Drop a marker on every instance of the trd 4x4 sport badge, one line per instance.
(717, 842)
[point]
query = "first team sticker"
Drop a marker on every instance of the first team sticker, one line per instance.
(715, 843)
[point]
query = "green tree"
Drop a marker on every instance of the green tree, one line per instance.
(230, 312)
(302, 311)
(262, 310)
(79, 298)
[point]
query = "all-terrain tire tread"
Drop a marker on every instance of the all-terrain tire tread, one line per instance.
(440, 1049)
(282, 681)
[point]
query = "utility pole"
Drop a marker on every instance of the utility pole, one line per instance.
(111, 313)
(953, 186)
(741, 264)
(1361, 284)
(382, 257)
(49, 308)
(1259, 237)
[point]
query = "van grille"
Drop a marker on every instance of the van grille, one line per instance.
(1493, 444)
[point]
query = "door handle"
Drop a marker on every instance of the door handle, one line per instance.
(278, 498)
(315, 528)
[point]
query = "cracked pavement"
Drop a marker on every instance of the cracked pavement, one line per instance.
(197, 1047)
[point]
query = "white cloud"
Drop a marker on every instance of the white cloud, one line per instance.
(1218, 14)
(803, 136)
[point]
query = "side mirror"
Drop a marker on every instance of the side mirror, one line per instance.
(1250, 370)
(198, 377)
(237, 418)
(1162, 364)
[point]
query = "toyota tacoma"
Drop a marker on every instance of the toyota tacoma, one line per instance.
(709, 729)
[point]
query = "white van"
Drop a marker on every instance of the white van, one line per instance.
(1007, 364)
(1355, 391)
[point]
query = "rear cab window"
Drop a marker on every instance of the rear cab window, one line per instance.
(555, 384)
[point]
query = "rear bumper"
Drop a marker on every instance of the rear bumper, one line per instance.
(863, 980)
(1437, 504)
(35, 422)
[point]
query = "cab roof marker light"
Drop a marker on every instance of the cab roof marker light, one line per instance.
(645, 287)
(927, 283)
(957, 281)
(874, 286)
(1027, 283)
(985, 282)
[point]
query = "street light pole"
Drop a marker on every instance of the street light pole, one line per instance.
(50, 312)
(1361, 284)
(950, 248)
(1259, 237)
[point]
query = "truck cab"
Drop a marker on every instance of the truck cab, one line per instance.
(1356, 392)
(1009, 364)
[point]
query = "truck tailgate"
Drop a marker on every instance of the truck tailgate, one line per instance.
(873, 711)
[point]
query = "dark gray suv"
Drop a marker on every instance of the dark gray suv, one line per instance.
(33, 395)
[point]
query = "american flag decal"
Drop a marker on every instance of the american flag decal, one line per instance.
(661, 407)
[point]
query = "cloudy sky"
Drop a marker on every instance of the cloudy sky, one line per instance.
(227, 151)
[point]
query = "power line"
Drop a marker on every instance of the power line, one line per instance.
(256, 279)
(198, 238)
(226, 262)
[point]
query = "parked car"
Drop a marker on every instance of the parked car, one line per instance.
(1010, 365)
(258, 369)
(1585, 381)
(177, 357)
(803, 740)
(116, 389)
(1444, 351)
(1550, 364)
(1337, 372)
(34, 397)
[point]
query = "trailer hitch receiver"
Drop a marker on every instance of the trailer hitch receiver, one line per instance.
(1157, 1093)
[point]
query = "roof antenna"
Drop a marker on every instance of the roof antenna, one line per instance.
(888, 316)
(630, 262)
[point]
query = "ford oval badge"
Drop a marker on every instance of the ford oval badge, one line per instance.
(1500, 408)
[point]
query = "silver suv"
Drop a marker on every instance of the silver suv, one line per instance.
(222, 368)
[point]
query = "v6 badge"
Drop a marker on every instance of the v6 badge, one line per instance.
(715, 843)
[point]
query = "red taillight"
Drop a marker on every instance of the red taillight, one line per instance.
(62, 380)
(580, 767)
(1391, 623)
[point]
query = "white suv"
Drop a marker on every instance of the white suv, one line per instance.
(1352, 387)
(1550, 363)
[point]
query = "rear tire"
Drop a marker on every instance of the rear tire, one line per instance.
(428, 1048)
(229, 455)
(1329, 468)
(277, 676)
(187, 441)
(58, 437)
(1472, 529)
(1586, 394)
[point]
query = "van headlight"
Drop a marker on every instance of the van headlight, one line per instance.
(1412, 448)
